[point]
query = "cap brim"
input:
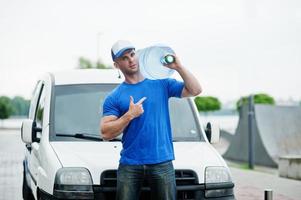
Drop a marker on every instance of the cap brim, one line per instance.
(122, 51)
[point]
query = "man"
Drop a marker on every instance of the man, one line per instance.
(138, 108)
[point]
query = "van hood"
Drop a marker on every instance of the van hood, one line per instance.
(100, 156)
(95, 156)
(196, 156)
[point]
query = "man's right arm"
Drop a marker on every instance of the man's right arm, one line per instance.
(112, 126)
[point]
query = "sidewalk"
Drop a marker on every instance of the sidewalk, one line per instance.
(250, 184)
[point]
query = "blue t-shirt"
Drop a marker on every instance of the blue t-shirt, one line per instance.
(147, 139)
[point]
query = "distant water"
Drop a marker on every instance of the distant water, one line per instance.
(11, 123)
(225, 122)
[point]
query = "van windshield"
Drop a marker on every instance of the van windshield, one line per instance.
(77, 110)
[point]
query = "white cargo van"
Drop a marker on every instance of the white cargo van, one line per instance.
(65, 157)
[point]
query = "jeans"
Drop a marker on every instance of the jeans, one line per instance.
(160, 177)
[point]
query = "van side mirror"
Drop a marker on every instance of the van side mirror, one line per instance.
(29, 131)
(212, 132)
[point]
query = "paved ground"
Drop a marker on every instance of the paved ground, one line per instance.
(11, 156)
(249, 185)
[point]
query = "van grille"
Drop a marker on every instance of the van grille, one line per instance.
(186, 177)
(183, 178)
(109, 178)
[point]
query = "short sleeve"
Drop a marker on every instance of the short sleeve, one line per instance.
(174, 87)
(110, 107)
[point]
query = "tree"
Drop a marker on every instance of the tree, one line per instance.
(260, 98)
(100, 65)
(6, 108)
(85, 63)
(20, 105)
(206, 104)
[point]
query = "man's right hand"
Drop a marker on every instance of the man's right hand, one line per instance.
(111, 126)
(136, 109)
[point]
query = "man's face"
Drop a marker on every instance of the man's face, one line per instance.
(128, 63)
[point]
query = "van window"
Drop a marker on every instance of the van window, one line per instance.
(183, 121)
(34, 100)
(77, 109)
(40, 108)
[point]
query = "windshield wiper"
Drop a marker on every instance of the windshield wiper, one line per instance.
(81, 136)
(86, 136)
(115, 140)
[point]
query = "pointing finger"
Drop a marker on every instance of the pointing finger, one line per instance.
(141, 100)
(131, 100)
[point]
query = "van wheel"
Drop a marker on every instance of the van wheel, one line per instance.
(26, 191)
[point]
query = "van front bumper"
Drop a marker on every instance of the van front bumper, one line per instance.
(220, 191)
(216, 191)
(67, 195)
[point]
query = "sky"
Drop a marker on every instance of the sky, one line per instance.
(233, 47)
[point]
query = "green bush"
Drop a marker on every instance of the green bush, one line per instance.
(21, 106)
(6, 108)
(206, 104)
(85, 63)
(259, 98)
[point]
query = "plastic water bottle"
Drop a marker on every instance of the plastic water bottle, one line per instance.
(153, 61)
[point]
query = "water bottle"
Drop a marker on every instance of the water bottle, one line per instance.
(153, 61)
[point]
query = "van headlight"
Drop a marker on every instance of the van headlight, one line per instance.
(218, 182)
(217, 175)
(73, 183)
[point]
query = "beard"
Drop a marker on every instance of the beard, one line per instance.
(130, 71)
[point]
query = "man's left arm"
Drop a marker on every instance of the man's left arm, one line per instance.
(192, 86)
